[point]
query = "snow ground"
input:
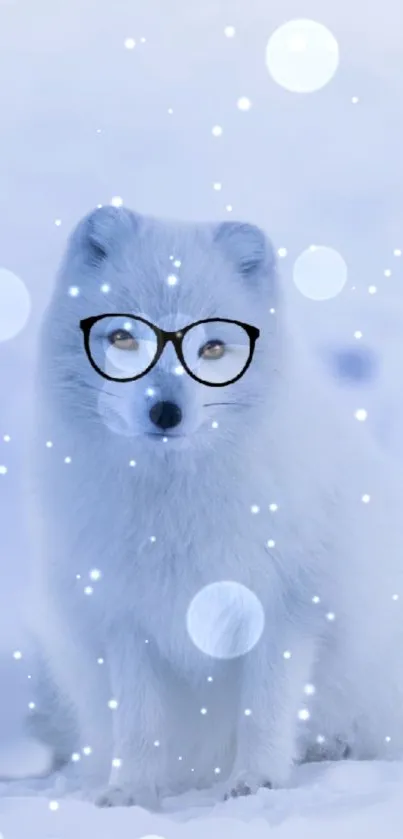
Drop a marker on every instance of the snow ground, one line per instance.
(347, 799)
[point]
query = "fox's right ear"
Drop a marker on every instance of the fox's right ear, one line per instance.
(248, 249)
(97, 234)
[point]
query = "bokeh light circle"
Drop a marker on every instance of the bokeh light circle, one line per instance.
(320, 273)
(225, 620)
(302, 56)
(15, 304)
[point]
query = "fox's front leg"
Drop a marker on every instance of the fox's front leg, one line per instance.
(81, 685)
(274, 675)
(138, 732)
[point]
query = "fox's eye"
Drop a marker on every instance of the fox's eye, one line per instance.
(123, 340)
(212, 350)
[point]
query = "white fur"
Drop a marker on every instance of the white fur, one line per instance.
(280, 442)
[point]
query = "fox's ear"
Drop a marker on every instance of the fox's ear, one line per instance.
(100, 232)
(247, 246)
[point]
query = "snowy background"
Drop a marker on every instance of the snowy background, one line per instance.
(179, 109)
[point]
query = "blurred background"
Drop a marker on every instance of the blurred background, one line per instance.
(287, 114)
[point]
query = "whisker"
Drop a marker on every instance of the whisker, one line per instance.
(89, 386)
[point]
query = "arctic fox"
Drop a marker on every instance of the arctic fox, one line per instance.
(166, 463)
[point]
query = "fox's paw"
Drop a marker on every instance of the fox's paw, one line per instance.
(126, 795)
(324, 750)
(246, 785)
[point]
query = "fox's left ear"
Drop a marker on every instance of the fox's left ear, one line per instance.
(99, 235)
(247, 246)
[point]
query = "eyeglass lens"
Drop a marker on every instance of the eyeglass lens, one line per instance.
(123, 348)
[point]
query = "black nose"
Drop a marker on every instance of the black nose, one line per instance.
(165, 415)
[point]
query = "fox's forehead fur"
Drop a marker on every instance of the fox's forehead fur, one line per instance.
(120, 261)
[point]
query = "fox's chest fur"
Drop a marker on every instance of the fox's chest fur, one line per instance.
(158, 542)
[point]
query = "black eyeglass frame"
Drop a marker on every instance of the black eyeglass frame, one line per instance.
(163, 338)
